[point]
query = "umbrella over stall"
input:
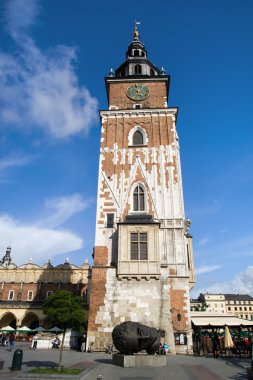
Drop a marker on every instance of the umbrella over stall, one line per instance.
(55, 329)
(39, 329)
(228, 341)
(7, 328)
(23, 329)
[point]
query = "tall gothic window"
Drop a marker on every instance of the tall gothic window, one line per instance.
(137, 69)
(139, 246)
(137, 138)
(138, 198)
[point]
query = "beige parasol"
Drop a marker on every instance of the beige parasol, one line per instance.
(228, 341)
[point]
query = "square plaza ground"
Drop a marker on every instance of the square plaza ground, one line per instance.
(178, 367)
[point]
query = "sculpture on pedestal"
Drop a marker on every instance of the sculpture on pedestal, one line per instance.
(131, 337)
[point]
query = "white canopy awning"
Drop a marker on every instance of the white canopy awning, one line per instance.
(218, 320)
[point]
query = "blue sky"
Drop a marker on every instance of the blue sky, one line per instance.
(54, 56)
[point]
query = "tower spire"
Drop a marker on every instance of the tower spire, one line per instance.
(136, 33)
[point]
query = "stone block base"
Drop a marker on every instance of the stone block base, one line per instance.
(139, 360)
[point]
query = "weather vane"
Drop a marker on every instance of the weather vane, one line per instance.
(136, 34)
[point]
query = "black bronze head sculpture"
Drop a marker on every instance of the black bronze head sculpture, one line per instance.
(132, 337)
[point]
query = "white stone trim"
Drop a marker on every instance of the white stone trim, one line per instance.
(132, 132)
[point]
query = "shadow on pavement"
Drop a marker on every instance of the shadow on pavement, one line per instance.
(43, 363)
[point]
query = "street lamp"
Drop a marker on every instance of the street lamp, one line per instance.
(179, 316)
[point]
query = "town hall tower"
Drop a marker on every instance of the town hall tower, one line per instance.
(143, 261)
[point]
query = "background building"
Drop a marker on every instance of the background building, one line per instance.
(24, 288)
(239, 305)
(143, 262)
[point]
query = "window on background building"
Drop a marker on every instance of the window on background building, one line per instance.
(139, 246)
(110, 220)
(11, 295)
(235, 308)
(250, 308)
(138, 138)
(30, 295)
(240, 308)
(138, 199)
(229, 308)
(245, 308)
(49, 292)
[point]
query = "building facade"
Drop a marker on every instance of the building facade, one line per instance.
(238, 305)
(24, 288)
(143, 261)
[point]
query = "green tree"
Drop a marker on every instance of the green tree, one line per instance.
(66, 311)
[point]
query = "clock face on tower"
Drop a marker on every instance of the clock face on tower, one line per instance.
(137, 91)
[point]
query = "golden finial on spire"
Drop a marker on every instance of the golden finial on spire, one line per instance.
(136, 34)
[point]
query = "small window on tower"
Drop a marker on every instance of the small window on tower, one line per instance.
(110, 221)
(137, 69)
(139, 199)
(137, 138)
(152, 73)
(136, 53)
(139, 246)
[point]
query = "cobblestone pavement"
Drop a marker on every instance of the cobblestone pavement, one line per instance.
(180, 367)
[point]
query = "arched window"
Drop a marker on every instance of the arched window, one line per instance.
(152, 73)
(136, 53)
(139, 199)
(137, 135)
(137, 138)
(137, 69)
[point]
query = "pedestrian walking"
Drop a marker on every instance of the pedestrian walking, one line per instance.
(35, 342)
(11, 341)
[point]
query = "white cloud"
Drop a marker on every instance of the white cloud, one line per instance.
(20, 16)
(40, 88)
(206, 269)
(13, 161)
(43, 238)
(63, 208)
(242, 283)
(28, 240)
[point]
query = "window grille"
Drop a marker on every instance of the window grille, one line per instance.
(139, 246)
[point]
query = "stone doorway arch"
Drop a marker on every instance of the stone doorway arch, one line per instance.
(8, 319)
(30, 320)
